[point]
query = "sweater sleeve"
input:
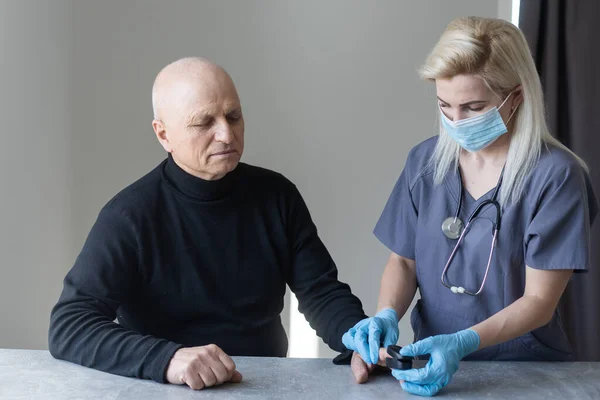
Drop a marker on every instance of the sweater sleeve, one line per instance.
(82, 324)
(327, 303)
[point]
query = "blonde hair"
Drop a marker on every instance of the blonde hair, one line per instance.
(496, 51)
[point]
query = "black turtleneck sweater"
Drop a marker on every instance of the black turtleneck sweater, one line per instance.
(181, 261)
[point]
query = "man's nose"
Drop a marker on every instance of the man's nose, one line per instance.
(224, 133)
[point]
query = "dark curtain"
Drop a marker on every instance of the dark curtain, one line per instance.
(564, 37)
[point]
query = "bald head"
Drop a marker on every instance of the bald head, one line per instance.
(185, 77)
(198, 117)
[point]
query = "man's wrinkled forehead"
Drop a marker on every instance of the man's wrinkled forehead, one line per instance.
(191, 96)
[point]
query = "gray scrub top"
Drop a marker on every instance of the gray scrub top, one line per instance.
(548, 228)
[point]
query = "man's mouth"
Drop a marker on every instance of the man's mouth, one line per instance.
(223, 153)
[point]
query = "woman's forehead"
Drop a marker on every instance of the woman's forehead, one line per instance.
(463, 89)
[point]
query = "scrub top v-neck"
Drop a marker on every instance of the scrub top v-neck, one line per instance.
(548, 228)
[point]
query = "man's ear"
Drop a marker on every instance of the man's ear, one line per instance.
(161, 134)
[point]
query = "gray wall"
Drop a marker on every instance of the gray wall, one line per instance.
(330, 95)
(35, 205)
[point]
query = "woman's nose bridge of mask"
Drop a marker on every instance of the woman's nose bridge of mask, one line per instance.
(457, 114)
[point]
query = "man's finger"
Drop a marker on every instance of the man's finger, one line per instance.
(236, 377)
(359, 368)
(382, 356)
(220, 372)
(208, 376)
(193, 380)
(178, 380)
(227, 362)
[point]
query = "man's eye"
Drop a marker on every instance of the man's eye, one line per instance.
(476, 109)
(204, 124)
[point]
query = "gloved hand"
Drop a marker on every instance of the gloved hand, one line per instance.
(445, 352)
(365, 336)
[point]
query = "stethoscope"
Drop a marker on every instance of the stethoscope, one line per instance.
(452, 227)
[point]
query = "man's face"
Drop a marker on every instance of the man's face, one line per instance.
(202, 125)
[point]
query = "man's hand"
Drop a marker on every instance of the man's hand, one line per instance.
(200, 367)
(361, 369)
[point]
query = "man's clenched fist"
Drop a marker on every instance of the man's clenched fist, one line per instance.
(200, 367)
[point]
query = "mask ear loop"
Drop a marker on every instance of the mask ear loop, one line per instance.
(507, 97)
(514, 110)
(511, 114)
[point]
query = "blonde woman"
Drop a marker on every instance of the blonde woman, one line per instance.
(489, 219)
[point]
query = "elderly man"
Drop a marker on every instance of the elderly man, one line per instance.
(193, 258)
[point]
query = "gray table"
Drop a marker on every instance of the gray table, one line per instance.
(26, 374)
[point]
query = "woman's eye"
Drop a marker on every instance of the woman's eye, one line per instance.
(476, 109)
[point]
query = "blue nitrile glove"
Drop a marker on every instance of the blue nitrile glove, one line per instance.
(365, 336)
(445, 352)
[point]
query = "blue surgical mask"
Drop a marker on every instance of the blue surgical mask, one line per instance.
(478, 132)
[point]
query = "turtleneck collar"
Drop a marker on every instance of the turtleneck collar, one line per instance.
(199, 188)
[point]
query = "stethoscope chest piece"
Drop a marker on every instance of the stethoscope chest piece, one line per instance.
(452, 227)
